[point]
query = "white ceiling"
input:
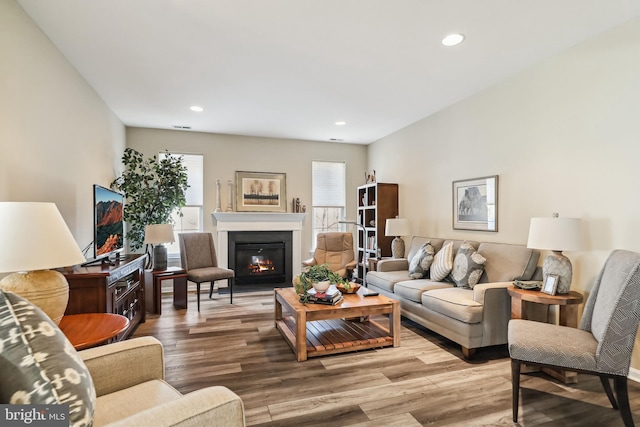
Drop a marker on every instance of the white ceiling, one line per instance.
(291, 68)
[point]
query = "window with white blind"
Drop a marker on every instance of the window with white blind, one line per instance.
(191, 219)
(328, 196)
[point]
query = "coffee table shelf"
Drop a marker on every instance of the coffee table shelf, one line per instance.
(317, 330)
(338, 335)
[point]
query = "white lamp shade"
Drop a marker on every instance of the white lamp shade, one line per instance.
(396, 227)
(156, 234)
(34, 236)
(555, 234)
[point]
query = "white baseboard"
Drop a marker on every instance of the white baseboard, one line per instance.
(634, 375)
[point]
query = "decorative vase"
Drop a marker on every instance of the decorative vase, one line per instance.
(321, 286)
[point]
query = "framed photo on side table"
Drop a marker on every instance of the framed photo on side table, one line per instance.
(261, 192)
(475, 204)
(550, 285)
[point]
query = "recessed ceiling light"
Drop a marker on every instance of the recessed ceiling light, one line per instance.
(340, 123)
(453, 39)
(197, 109)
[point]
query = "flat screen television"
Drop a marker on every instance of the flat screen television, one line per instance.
(108, 223)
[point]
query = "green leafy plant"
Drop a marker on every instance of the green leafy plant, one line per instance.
(153, 189)
(316, 273)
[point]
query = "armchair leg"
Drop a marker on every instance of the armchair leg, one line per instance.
(198, 294)
(607, 389)
(620, 383)
(230, 282)
(211, 288)
(515, 387)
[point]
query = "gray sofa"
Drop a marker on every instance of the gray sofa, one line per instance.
(473, 318)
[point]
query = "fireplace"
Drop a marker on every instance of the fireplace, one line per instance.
(261, 257)
(228, 223)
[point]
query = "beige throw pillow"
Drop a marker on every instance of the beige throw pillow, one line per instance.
(442, 263)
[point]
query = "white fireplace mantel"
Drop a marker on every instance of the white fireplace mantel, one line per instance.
(259, 221)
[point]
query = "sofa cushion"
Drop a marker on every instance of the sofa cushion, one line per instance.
(468, 266)
(442, 263)
(413, 289)
(386, 280)
(456, 303)
(512, 262)
(420, 263)
(124, 403)
(38, 364)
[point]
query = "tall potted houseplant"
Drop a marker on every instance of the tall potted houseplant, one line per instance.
(153, 189)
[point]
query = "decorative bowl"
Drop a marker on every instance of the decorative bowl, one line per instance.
(321, 286)
(350, 290)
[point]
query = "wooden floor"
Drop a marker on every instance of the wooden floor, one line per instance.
(424, 382)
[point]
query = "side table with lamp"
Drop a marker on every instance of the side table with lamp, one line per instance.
(35, 240)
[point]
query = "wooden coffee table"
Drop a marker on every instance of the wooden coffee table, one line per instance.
(317, 329)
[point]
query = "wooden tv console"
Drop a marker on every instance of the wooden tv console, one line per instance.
(105, 288)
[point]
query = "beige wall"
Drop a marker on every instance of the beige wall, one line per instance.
(57, 136)
(563, 136)
(226, 154)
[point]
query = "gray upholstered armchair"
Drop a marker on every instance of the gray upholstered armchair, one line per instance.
(602, 344)
(198, 257)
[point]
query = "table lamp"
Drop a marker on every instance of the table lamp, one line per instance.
(157, 235)
(557, 235)
(397, 227)
(33, 239)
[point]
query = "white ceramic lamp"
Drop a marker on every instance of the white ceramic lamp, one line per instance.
(33, 239)
(397, 227)
(557, 235)
(157, 235)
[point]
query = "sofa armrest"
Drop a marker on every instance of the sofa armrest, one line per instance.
(124, 364)
(212, 407)
(480, 290)
(393, 264)
(496, 311)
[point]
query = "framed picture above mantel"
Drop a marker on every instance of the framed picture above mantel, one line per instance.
(475, 204)
(261, 192)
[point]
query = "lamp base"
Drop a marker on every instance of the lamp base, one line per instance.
(47, 289)
(397, 248)
(559, 265)
(159, 258)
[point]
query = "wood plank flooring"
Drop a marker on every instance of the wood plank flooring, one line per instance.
(424, 382)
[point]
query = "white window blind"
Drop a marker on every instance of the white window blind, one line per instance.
(328, 180)
(191, 218)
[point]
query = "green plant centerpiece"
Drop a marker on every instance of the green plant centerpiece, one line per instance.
(314, 274)
(153, 189)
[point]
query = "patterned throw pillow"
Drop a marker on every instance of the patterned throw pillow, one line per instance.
(421, 261)
(38, 365)
(442, 263)
(468, 266)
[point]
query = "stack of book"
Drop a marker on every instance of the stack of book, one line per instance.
(332, 296)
